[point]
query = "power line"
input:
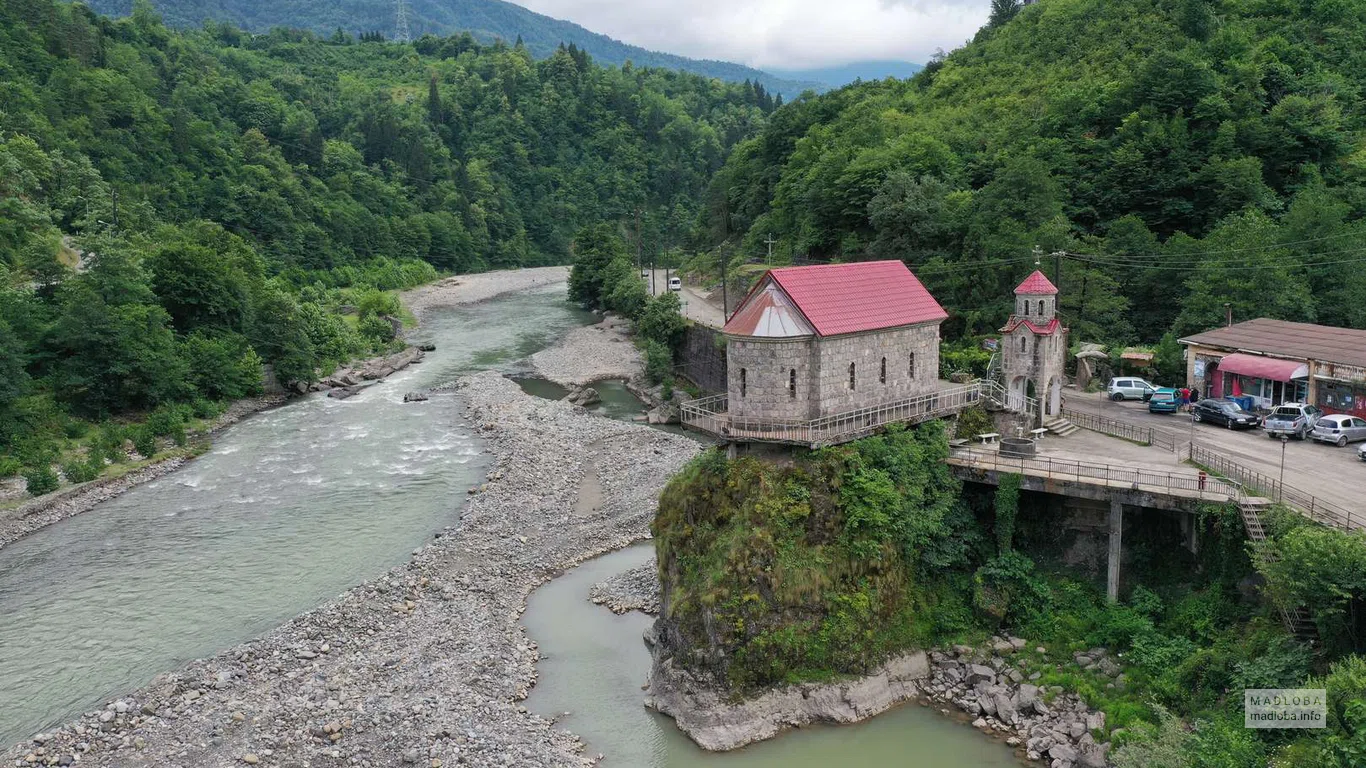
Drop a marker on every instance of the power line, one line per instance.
(1174, 267)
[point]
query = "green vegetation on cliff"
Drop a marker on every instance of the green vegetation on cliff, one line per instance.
(803, 570)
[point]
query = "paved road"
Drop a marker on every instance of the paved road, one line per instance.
(1326, 471)
(696, 306)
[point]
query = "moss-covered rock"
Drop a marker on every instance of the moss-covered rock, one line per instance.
(802, 570)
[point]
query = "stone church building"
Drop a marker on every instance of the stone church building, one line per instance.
(815, 341)
(1034, 347)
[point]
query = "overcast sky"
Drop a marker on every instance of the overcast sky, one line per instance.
(779, 34)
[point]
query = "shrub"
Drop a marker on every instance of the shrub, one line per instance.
(207, 409)
(9, 466)
(375, 328)
(164, 421)
(659, 364)
(83, 471)
(662, 321)
(109, 443)
(41, 480)
(222, 367)
(974, 421)
(145, 442)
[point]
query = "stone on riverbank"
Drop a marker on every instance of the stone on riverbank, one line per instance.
(633, 590)
(716, 723)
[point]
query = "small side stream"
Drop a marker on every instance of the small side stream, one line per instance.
(594, 663)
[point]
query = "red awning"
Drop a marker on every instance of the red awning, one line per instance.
(1259, 367)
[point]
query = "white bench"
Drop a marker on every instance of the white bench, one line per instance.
(989, 438)
(1039, 433)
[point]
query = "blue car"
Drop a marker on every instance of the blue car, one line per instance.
(1164, 401)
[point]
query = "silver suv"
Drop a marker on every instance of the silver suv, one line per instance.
(1295, 420)
(1129, 388)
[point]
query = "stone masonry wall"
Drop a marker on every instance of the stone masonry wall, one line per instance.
(866, 351)
(767, 365)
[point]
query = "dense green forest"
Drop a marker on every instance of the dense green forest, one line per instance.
(178, 208)
(1189, 152)
(488, 21)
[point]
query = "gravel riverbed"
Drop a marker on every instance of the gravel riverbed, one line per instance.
(634, 590)
(469, 289)
(592, 353)
(427, 665)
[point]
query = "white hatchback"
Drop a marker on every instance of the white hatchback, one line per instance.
(1129, 388)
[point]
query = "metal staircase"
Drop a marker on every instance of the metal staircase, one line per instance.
(1297, 619)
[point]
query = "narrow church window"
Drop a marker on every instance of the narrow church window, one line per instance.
(792, 383)
(851, 375)
(1026, 309)
(912, 365)
(744, 385)
(882, 375)
(1040, 307)
(1024, 343)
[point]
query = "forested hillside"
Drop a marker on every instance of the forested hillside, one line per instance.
(176, 208)
(1192, 152)
(488, 21)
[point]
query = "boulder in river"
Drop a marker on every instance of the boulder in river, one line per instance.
(585, 397)
(341, 393)
(414, 397)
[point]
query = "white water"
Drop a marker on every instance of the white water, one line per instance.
(288, 509)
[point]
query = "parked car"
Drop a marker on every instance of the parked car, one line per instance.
(1164, 401)
(1223, 412)
(1296, 420)
(1128, 388)
(1339, 430)
(675, 284)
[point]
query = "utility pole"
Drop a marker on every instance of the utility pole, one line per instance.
(638, 258)
(115, 192)
(1228, 310)
(725, 302)
(401, 33)
(1057, 270)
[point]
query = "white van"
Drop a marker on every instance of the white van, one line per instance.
(675, 284)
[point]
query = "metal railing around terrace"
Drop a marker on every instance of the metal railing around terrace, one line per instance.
(711, 414)
(1194, 486)
(1305, 503)
(1121, 429)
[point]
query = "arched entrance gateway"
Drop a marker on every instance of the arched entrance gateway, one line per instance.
(1035, 347)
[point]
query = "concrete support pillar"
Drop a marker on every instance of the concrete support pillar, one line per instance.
(1116, 548)
(1193, 534)
(732, 450)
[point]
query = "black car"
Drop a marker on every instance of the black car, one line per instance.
(1225, 412)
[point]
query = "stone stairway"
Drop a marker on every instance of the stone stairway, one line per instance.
(1297, 619)
(1060, 426)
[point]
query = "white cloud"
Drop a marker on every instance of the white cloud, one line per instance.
(785, 34)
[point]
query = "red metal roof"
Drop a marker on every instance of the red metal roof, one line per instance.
(850, 298)
(1043, 330)
(1036, 285)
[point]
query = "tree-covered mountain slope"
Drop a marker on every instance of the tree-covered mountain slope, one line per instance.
(231, 193)
(487, 20)
(1193, 152)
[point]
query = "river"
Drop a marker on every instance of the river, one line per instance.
(295, 505)
(595, 662)
(287, 510)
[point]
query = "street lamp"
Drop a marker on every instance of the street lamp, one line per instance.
(1280, 489)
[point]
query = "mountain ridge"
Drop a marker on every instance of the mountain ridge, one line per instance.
(486, 20)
